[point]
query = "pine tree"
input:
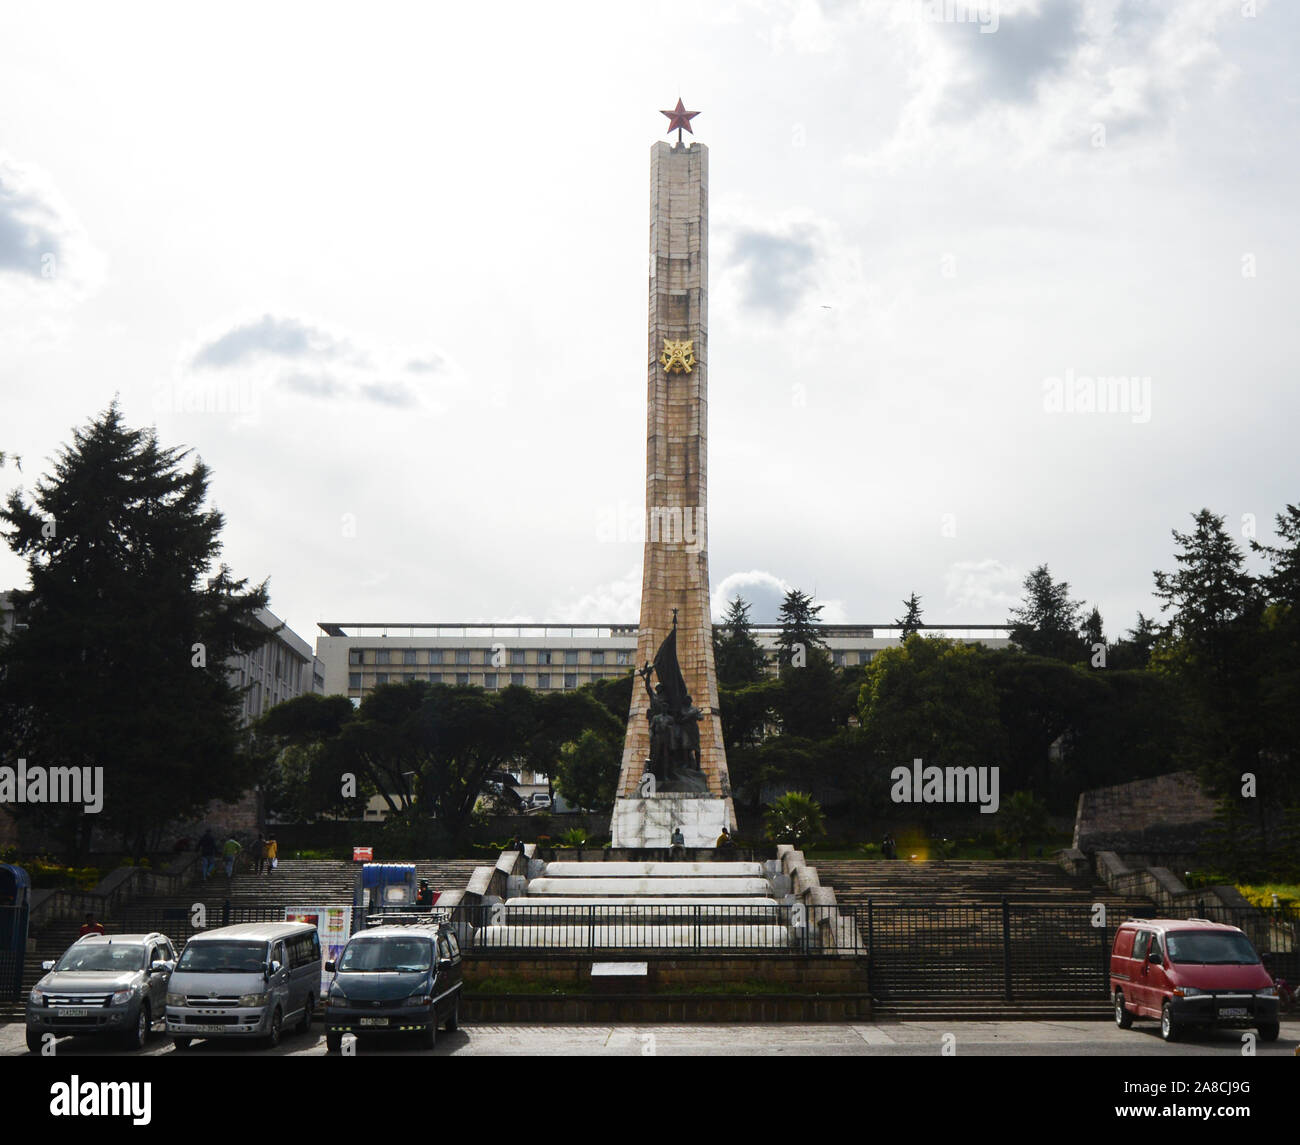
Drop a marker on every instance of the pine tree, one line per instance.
(799, 642)
(1047, 623)
(911, 621)
(739, 657)
(122, 664)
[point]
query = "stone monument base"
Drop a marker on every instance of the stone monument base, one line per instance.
(648, 821)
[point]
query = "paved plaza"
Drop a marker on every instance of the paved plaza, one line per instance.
(892, 1039)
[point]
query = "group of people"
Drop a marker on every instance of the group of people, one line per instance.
(677, 841)
(266, 854)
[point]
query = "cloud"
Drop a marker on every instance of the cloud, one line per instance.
(1026, 46)
(764, 592)
(41, 239)
(268, 336)
(290, 355)
(616, 601)
(983, 586)
(775, 270)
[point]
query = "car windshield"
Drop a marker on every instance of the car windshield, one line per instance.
(114, 957)
(223, 957)
(374, 955)
(1211, 947)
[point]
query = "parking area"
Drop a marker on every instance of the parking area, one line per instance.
(886, 1039)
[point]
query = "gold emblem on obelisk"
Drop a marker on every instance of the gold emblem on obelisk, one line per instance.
(678, 357)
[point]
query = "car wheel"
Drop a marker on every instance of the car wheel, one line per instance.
(34, 1042)
(272, 1038)
(453, 1019)
(1169, 1029)
(182, 1043)
(1123, 1019)
(138, 1034)
(428, 1038)
(1269, 1032)
(333, 1041)
(304, 1026)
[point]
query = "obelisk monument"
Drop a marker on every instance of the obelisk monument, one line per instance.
(675, 578)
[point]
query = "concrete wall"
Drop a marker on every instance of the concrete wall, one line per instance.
(1165, 814)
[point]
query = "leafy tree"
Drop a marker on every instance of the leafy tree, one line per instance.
(794, 818)
(931, 699)
(910, 623)
(1134, 650)
(799, 639)
(1047, 623)
(123, 661)
(1021, 819)
(587, 772)
(1092, 630)
(737, 654)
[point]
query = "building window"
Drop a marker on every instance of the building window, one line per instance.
(462, 655)
(408, 656)
(489, 680)
(571, 656)
(356, 656)
(435, 655)
(543, 679)
(382, 656)
(354, 679)
(435, 677)
(517, 678)
(462, 677)
(865, 657)
(624, 656)
(838, 658)
(543, 657)
(597, 658)
(381, 678)
(488, 655)
(570, 679)
(517, 656)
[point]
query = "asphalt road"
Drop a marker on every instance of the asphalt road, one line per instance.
(890, 1039)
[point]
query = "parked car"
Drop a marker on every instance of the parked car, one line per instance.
(109, 984)
(245, 982)
(1190, 972)
(539, 799)
(395, 980)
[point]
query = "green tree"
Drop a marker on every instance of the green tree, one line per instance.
(799, 641)
(1021, 819)
(587, 772)
(794, 817)
(737, 654)
(122, 664)
(1134, 650)
(1047, 623)
(910, 624)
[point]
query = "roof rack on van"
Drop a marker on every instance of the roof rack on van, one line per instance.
(1195, 919)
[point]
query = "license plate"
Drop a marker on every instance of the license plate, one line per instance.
(1233, 1012)
(195, 1029)
(74, 1013)
(373, 1022)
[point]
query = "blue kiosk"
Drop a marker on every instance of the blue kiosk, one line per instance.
(385, 888)
(15, 907)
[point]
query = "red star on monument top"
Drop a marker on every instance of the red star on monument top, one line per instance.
(679, 118)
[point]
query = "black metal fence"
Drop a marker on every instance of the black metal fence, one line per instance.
(1027, 950)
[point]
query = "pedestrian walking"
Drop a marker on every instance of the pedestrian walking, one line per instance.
(90, 926)
(207, 853)
(272, 854)
(229, 853)
(259, 854)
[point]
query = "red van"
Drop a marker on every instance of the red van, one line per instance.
(1190, 972)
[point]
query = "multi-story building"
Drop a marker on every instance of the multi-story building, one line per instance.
(548, 657)
(281, 669)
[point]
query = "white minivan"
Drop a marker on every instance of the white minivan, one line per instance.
(245, 981)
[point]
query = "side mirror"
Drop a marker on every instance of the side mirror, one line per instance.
(444, 963)
(1154, 956)
(272, 968)
(161, 967)
(329, 966)
(48, 964)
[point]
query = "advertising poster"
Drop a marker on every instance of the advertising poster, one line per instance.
(332, 923)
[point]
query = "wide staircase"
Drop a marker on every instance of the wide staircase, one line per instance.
(251, 898)
(981, 939)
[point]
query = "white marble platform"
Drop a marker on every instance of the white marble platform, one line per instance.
(526, 903)
(669, 870)
(649, 821)
(649, 888)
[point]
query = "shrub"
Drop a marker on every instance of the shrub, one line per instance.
(796, 817)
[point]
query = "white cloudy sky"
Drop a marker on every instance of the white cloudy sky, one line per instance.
(406, 246)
